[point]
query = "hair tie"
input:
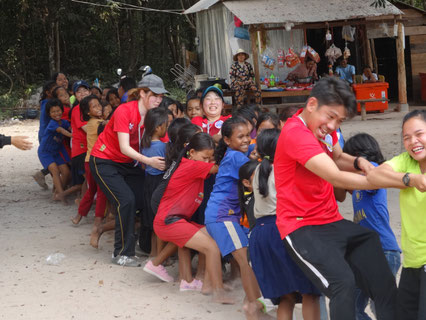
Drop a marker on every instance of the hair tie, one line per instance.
(187, 153)
(267, 158)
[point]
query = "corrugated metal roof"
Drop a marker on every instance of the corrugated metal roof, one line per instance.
(200, 6)
(298, 11)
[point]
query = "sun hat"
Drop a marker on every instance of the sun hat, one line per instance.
(240, 51)
(214, 89)
(153, 83)
(80, 83)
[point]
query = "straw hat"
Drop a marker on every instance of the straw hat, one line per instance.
(240, 51)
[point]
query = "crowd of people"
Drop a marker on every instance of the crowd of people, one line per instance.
(254, 189)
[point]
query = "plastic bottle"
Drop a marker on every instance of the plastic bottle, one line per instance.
(272, 80)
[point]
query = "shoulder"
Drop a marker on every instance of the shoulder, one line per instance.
(198, 121)
(402, 162)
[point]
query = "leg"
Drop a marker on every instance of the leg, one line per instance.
(201, 267)
(257, 93)
(409, 294)
(185, 271)
(54, 171)
(286, 307)
(169, 250)
(361, 302)
(310, 307)
(88, 197)
(239, 95)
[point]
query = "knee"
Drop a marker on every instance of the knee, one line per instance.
(344, 285)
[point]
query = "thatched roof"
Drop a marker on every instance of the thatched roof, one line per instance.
(298, 11)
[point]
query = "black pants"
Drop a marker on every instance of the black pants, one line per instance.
(412, 294)
(122, 184)
(340, 256)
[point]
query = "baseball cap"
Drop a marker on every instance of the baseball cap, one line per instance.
(153, 83)
(214, 89)
(80, 83)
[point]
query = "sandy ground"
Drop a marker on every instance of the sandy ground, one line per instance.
(85, 285)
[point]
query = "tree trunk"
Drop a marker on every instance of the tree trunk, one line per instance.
(51, 46)
(58, 52)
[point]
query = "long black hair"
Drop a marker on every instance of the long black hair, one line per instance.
(364, 145)
(85, 106)
(247, 113)
(153, 119)
(266, 143)
(183, 137)
(227, 129)
(414, 114)
(48, 85)
(245, 172)
(267, 116)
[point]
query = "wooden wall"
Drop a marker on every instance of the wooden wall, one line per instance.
(418, 62)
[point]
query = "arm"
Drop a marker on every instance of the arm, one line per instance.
(325, 168)
(64, 132)
(340, 194)
(127, 150)
(21, 142)
(214, 169)
(84, 128)
(385, 177)
(345, 161)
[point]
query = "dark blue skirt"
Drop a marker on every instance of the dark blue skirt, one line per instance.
(276, 272)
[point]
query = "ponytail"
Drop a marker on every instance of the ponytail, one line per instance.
(266, 145)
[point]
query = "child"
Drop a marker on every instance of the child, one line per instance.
(62, 95)
(407, 172)
(193, 107)
(91, 111)
(212, 102)
(112, 98)
(155, 128)
(267, 120)
(51, 152)
(245, 193)
(286, 114)
(174, 106)
(222, 215)
(183, 136)
(181, 198)
(368, 76)
(96, 91)
(335, 254)
(281, 281)
(371, 210)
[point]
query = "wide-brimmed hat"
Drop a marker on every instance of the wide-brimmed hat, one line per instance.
(241, 51)
(153, 83)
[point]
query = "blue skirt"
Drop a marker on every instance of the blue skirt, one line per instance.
(276, 272)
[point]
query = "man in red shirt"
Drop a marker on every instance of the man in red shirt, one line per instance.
(337, 255)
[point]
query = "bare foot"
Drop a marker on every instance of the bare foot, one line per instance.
(76, 220)
(41, 180)
(220, 296)
(77, 201)
(60, 197)
(95, 236)
(253, 310)
(208, 289)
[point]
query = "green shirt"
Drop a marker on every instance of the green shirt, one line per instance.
(413, 215)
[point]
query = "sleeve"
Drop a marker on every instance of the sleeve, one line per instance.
(51, 126)
(233, 73)
(198, 121)
(5, 140)
(364, 78)
(301, 145)
(238, 159)
(250, 69)
(375, 76)
(122, 120)
(399, 163)
(66, 125)
(75, 117)
(352, 70)
(200, 169)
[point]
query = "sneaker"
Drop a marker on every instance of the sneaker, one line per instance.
(198, 284)
(159, 271)
(41, 180)
(126, 261)
(192, 286)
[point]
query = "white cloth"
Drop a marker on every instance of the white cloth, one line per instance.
(264, 206)
(364, 78)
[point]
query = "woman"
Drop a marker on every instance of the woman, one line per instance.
(114, 163)
(304, 70)
(242, 78)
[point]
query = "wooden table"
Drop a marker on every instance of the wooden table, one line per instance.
(362, 102)
(285, 93)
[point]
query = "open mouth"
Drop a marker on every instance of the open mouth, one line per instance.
(417, 150)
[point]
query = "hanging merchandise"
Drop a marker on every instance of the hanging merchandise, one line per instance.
(328, 36)
(267, 60)
(280, 58)
(348, 33)
(242, 33)
(313, 54)
(333, 53)
(303, 54)
(291, 58)
(346, 52)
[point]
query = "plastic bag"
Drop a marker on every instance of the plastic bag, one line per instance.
(313, 55)
(291, 58)
(346, 53)
(333, 53)
(241, 33)
(267, 60)
(55, 259)
(280, 58)
(348, 33)
(303, 54)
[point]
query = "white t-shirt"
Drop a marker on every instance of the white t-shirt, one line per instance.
(364, 78)
(264, 206)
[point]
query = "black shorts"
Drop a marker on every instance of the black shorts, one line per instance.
(77, 169)
(412, 294)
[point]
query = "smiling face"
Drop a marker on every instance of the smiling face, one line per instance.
(323, 120)
(241, 57)
(55, 113)
(414, 138)
(193, 108)
(203, 155)
(114, 100)
(212, 106)
(81, 93)
(62, 81)
(63, 96)
(239, 139)
(95, 109)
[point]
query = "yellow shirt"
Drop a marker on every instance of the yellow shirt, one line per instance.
(413, 215)
(92, 135)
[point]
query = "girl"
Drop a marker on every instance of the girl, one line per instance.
(281, 281)
(183, 136)
(245, 193)
(96, 91)
(155, 128)
(91, 111)
(406, 172)
(60, 79)
(51, 152)
(212, 102)
(114, 160)
(222, 215)
(371, 210)
(113, 98)
(174, 106)
(267, 120)
(62, 95)
(193, 107)
(181, 198)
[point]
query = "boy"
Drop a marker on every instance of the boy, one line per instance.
(335, 254)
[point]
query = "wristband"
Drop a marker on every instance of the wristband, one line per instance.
(356, 164)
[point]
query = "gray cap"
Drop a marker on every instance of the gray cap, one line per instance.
(153, 83)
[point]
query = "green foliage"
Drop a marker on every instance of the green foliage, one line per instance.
(177, 94)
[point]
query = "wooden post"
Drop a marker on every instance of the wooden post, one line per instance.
(253, 38)
(373, 52)
(368, 48)
(363, 111)
(402, 82)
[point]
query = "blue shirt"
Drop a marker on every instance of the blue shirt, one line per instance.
(346, 73)
(157, 149)
(51, 140)
(224, 204)
(44, 119)
(371, 211)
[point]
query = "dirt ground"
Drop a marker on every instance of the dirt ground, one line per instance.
(85, 285)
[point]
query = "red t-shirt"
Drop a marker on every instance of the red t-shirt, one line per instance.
(210, 128)
(79, 141)
(303, 198)
(65, 114)
(184, 193)
(126, 118)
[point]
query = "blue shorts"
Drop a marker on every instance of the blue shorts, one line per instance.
(229, 236)
(48, 158)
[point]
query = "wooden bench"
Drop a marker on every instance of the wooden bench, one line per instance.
(362, 102)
